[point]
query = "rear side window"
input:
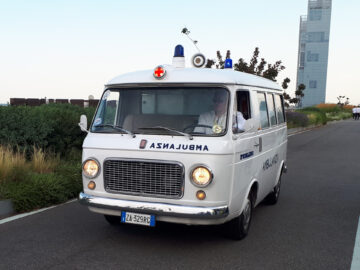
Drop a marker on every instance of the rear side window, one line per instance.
(271, 104)
(279, 107)
(264, 119)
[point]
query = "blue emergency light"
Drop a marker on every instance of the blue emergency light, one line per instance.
(179, 51)
(228, 63)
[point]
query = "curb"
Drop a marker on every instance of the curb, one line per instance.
(293, 131)
(6, 208)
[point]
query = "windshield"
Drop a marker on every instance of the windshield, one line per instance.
(178, 111)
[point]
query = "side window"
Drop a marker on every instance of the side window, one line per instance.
(279, 105)
(243, 103)
(271, 104)
(242, 111)
(264, 119)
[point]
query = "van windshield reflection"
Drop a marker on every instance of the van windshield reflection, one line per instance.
(179, 111)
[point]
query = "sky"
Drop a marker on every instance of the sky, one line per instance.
(71, 49)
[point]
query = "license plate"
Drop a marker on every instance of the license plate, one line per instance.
(136, 218)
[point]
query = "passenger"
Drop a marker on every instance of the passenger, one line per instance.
(354, 111)
(215, 120)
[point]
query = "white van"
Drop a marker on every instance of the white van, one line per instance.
(195, 146)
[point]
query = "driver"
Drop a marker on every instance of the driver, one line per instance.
(215, 119)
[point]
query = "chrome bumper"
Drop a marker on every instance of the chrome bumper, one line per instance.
(162, 209)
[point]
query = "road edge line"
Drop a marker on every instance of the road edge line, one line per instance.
(9, 219)
(355, 263)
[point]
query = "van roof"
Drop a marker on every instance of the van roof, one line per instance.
(195, 75)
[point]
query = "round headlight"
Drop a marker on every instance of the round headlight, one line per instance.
(91, 168)
(201, 176)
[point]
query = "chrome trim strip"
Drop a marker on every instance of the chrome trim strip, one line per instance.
(162, 209)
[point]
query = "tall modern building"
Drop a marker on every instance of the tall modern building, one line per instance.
(313, 51)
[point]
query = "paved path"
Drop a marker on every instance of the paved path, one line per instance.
(312, 227)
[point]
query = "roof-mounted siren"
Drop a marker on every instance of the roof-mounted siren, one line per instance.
(228, 63)
(179, 59)
(198, 60)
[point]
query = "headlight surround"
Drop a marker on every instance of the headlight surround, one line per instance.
(91, 168)
(201, 176)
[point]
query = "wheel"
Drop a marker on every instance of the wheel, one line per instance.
(239, 227)
(113, 220)
(273, 197)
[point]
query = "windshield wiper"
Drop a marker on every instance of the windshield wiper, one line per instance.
(117, 128)
(169, 129)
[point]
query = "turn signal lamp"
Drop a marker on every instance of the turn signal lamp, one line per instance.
(201, 195)
(91, 185)
(201, 176)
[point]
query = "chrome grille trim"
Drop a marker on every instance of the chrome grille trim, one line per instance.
(144, 177)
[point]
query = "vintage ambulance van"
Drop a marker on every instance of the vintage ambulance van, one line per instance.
(196, 146)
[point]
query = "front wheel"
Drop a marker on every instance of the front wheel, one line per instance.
(239, 227)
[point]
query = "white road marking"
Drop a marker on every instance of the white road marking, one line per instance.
(9, 219)
(355, 264)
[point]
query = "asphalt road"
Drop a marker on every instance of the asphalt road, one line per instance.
(313, 226)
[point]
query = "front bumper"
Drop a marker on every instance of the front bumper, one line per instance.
(161, 209)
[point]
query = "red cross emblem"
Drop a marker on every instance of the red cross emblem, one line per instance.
(159, 72)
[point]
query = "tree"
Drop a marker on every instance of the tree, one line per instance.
(340, 101)
(260, 68)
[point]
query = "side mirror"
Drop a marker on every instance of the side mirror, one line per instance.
(83, 123)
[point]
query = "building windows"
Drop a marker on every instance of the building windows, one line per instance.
(315, 14)
(302, 60)
(316, 37)
(312, 84)
(312, 57)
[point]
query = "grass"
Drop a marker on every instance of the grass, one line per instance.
(318, 115)
(10, 162)
(43, 163)
(38, 181)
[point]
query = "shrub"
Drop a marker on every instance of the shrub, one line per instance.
(315, 115)
(296, 119)
(42, 190)
(53, 127)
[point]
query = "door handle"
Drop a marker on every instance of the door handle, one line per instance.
(259, 144)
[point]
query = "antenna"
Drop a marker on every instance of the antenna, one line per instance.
(186, 32)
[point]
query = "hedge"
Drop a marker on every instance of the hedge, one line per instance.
(53, 127)
(42, 190)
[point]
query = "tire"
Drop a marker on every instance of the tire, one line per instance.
(239, 226)
(113, 220)
(273, 197)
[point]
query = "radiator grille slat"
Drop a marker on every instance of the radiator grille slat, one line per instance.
(146, 178)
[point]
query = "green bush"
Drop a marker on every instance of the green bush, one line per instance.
(315, 115)
(296, 119)
(43, 190)
(53, 127)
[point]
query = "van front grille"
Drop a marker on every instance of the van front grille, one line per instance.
(144, 178)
